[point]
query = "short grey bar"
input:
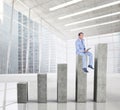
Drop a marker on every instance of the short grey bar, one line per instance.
(62, 83)
(22, 92)
(42, 88)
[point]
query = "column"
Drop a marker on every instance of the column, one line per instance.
(22, 92)
(62, 83)
(100, 73)
(42, 88)
(81, 81)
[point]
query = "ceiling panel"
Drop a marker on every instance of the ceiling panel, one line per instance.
(40, 8)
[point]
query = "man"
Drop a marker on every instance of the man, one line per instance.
(81, 50)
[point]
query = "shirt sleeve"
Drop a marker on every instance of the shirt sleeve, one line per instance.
(78, 49)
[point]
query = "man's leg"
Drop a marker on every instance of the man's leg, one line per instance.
(84, 60)
(90, 58)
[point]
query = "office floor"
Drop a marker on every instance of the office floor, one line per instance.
(113, 96)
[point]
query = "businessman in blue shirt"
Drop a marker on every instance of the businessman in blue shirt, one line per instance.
(81, 50)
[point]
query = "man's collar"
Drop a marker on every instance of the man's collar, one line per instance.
(80, 39)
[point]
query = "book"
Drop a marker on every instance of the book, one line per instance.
(88, 49)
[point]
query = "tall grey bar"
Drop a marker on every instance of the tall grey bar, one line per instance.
(42, 88)
(100, 73)
(81, 81)
(22, 92)
(62, 83)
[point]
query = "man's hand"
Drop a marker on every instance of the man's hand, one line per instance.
(86, 51)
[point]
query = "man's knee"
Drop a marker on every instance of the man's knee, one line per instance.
(89, 54)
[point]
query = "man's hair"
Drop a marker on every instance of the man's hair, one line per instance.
(80, 33)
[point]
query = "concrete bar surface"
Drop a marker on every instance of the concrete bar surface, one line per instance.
(42, 88)
(100, 73)
(22, 92)
(62, 83)
(81, 81)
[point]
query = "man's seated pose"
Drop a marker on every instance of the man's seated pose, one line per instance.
(81, 50)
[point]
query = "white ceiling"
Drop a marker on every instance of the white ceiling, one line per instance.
(40, 8)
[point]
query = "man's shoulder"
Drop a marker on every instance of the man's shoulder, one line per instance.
(77, 40)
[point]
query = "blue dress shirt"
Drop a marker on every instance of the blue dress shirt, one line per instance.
(80, 46)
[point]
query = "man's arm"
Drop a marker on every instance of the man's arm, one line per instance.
(78, 48)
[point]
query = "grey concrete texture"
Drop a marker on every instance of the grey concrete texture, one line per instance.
(22, 92)
(42, 88)
(81, 81)
(62, 83)
(100, 73)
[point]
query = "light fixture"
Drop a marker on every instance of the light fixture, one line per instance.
(19, 1)
(95, 18)
(64, 4)
(91, 26)
(91, 9)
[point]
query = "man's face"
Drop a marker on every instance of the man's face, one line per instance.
(81, 36)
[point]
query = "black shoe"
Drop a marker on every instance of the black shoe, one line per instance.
(90, 66)
(85, 70)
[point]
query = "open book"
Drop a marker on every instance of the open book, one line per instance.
(88, 49)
